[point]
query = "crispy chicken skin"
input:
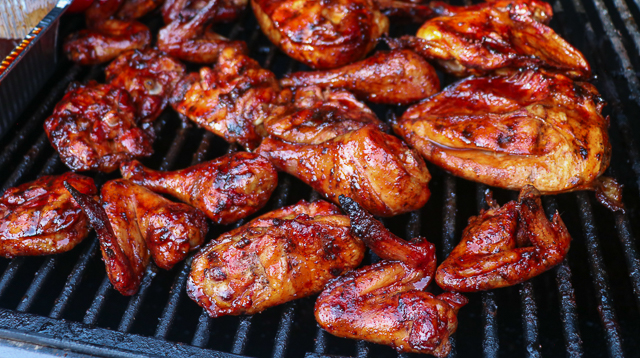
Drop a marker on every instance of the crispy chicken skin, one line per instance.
(376, 169)
(226, 189)
(232, 99)
(192, 40)
(94, 127)
(318, 115)
(289, 253)
(504, 246)
(322, 34)
(41, 218)
(106, 36)
(385, 302)
(134, 225)
(149, 76)
(503, 35)
(397, 77)
(226, 10)
(530, 127)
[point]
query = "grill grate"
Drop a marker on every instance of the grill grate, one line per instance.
(587, 306)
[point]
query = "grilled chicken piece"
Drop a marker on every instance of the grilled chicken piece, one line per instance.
(503, 35)
(94, 127)
(106, 36)
(226, 189)
(396, 77)
(504, 246)
(376, 169)
(539, 10)
(285, 254)
(149, 76)
(135, 9)
(41, 218)
(226, 10)
(385, 302)
(193, 41)
(134, 224)
(317, 115)
(232, 99)
(531, 127)
(322, 34)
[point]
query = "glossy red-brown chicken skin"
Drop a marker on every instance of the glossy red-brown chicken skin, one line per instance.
(396, 77)
(226, 189)
(530, 127)
(322, 34)
(505, 34)
(193, 40)
(94, 127)
(108, 34)
(289, 253)
(134, 225)
(232, 99)
(41, 217)
(149, 76)
(385, 302)
(504, 246)
(226, 10)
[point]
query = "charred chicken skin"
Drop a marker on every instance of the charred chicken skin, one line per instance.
(322, 34)
(134, 224)
(318, 115)
(107, 35)
(226, 189)
(385, 303)
(504, 246)
(41, 218)
(226, 10)
(94, 127)
(505, 34)
(232, 99)
(285, 254)
(397, 77)
(192, 40)
(149, 76)
(531, 127)
(376, 169)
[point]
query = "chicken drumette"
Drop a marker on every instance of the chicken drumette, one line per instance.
(530, 127)
(286, 254)
(134, 224)
(226, 10)
(396, 77)
(385, 302)
(322, 34)
(226, 189)
(94, 127)
(149, 76)
(506, 245)
(109, 33)
(41, 218)
(232, 99)
(504, 34)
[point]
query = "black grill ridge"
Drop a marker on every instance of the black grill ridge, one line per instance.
(580, 288)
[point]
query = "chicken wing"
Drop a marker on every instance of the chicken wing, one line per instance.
(106, 36)
(385, 302)
(286, 254)
(232, 99)
(226, 10)
(41, 218)
(317, 115)
(504, 246)
(135, 224)
(397, 77)
(135, 9)
(93, 127)
(531, 127)
(193, 41)
(226, 189)
(149, 76)
(505, 34)
(376, 169)
(322, 34)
